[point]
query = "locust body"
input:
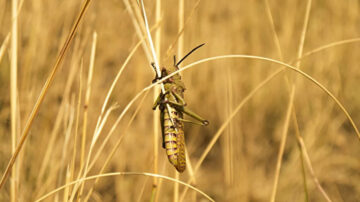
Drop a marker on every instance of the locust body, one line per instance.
(172, 122)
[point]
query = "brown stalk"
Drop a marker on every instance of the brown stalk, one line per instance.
(13, 94)
(43, 92)
(156, 116)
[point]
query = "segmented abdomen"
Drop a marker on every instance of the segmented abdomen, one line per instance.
(174, 139)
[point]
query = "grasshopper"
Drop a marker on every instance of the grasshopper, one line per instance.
(172, 124)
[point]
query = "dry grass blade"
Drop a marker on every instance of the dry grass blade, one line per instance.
(72, 168)
(156, 116)
(225, 124)
(4, 45)
(48, 156)
(155, 59)
(291, 101)
(14, 94)
(253, 153)
(303, 32)
(117, 145)
(312, 172)
(84, 170)
(44, 91)
(275, 35)
(113, 84)
(125, 173)
(181, 31)
(86, 107)
(87, 100)
(70, 121)
(137, 27)
(107, 99)
(270, 60)
(282, 144)
(322, 87)
(330, 45)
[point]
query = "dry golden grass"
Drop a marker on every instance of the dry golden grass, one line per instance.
(283, 114)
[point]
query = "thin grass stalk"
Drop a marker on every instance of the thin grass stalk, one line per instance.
(156, 116)
(302, 162)
(98, 130)
(312, 172)
(138, 11)
(43, 92)
(248, 57)
(180, 32)
(297, 134)
(169, 76)
(225, 124)
(82, 173)
(86, 108)
(292, 93)
(117, 145)
(190, 169)
(176, 187)
(277, 62)
(20, 6)
(137, 27)
(4, 46)
(181, 17)
(125, 173)
(107, 98)
(180, 51)
(300, 52)
(157, 66)
(228, 140)
(67, 181)
(277, 43)
(158, 193)
(102, 121)
(13, 94)
(68, 128)
(330, 45)
(143, 190)
(303, 33)
(273, 30)
(282, 144)
(72, 167)
(287, 66)
(49, 153)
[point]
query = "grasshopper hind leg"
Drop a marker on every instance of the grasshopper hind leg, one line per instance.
(195, 116)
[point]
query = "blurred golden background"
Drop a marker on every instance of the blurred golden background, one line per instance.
(243, 164)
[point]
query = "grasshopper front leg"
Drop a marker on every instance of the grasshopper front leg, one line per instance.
(179, 104)
(157, 101)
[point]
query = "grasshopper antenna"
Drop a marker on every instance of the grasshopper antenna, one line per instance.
(177, 64)
(175, 61)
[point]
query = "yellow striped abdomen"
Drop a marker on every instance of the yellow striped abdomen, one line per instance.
(174, 139)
